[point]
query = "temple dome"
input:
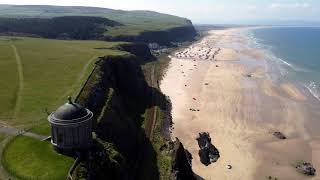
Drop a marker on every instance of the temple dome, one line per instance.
(70, 111)
(71, 128)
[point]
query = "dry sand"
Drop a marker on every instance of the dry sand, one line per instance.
(226, 54)
(240, 113)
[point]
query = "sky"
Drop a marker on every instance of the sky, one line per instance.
(206, 11)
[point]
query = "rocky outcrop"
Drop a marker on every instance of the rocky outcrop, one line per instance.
(208, 152)
(140, 50)
(181, 166)
(306, 168)
(279, 135)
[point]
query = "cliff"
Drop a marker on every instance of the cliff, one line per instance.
(181, 163)
(119, 95)
(65, 27)
(166, 37)
(97, 23)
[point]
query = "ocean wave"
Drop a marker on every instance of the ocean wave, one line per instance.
(313, 88)
(280, 69)
(267, 49)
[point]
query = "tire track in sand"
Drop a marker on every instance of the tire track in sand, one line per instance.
(21, 80)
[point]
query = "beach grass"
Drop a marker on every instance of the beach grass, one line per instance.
(27, 158)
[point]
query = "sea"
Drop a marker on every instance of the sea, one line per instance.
(293, 55)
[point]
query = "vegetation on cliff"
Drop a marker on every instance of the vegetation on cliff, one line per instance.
(134, 21)
(66, 27)
(117, 81)
(118, 25)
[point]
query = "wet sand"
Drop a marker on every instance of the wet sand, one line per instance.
(239, 111)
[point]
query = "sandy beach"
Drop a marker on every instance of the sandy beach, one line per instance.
(240, 107)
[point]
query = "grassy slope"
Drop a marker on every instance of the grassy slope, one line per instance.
(27, 158)
(2, 137)
(8, 82)
(52, 70)
(134, 22)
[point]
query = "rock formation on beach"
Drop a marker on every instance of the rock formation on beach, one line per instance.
(279, 135)
(306, 168)
(208, 152)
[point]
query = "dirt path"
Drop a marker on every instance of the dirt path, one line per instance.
(15, 131)
(151, 114)
(12, 133)
(20, 89)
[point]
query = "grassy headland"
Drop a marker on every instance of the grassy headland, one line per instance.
(51, 71)
(40, 73)
(134, 22)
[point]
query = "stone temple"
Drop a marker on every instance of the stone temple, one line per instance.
(71, 128)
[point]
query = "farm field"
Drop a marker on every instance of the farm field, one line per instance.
(37, 75)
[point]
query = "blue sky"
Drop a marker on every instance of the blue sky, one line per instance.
(207, 11)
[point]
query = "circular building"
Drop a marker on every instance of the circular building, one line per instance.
(71, 127)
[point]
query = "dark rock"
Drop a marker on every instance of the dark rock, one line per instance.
(249, 75)
(306, 168)
(164, 147)
(208, 152)
(138, 49)
(279, 135)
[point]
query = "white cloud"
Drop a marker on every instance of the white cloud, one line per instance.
(289, 5)
(251, 7)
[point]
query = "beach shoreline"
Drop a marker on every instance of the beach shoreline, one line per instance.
(227, 81)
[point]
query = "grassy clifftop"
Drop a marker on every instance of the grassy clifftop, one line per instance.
(50, 71)
(134, 22)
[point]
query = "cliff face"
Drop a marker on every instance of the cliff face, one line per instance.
(140, 50)
(66, 27)
(112, 93)
(181, 164)
(177, 34)
(118, 95)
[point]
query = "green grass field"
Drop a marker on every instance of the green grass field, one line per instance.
(27, 158)
(50, 71)
(2, 137)
(8, 81)
(134, 22)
